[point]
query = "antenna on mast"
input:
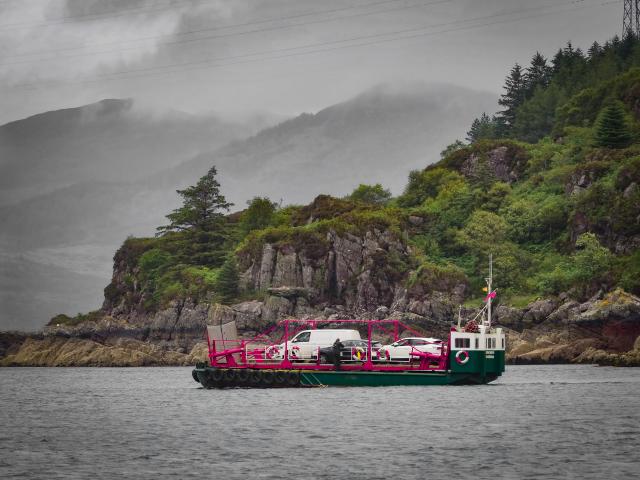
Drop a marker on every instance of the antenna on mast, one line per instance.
(489, 281)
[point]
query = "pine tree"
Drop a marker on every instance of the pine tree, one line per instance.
(513, 97)
(201, 208)
(481, 128)
(594, 51)
(537, 75)
(227, 281)
(200, 225)
(612, 130)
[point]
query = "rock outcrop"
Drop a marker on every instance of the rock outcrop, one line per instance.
(605, 330)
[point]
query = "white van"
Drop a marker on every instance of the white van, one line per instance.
(305, 345)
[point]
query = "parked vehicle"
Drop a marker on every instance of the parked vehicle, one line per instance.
(400, 351)
(305, 345)
(354, 350)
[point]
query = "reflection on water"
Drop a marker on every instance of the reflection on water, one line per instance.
(535, 422)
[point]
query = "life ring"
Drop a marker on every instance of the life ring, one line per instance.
(272, 351)
(295, 352)
(358, 353)
(462, 357)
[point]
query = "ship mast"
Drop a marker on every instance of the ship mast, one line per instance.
(489, 281)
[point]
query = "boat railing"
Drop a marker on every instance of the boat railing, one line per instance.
(267, 350)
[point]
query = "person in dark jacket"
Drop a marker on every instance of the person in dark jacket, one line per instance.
(337, 349)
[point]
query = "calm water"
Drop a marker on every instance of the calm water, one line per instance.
(536, 422)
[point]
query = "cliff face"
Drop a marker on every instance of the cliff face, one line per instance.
(354, 271)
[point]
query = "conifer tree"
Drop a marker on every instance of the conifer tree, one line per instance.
(201, 206)
(481, 128)
(513, 97)
(594, 51)
(227, 281)
(612, 130)
(537, 74)
(200, 223)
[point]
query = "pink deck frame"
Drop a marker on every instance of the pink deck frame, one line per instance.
(234, 353)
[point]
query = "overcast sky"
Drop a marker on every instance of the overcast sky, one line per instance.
(236, 57)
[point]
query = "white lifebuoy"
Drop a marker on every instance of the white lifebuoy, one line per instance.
(271, 351)
(462, 357)
(358, 353)
(295, 352)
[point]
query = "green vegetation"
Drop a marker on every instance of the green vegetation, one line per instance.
(373, 194)
(611, 128)
(550, 186)
(68, 321)
(227, 282)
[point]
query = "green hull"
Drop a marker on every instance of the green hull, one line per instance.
(211, 377)
(390, 379)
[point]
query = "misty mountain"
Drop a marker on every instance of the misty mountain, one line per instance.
(378, 136)
(67, 234)
(108, 141)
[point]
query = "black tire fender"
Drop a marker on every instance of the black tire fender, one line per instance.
(293, 379)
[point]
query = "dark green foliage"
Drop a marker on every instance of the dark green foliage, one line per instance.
(431, 277)
(62, 319)
(259, 214)
(202, 207)
(227, 282)
(537, 75)
(201, 224)
(587, 270)
(424, 184)
(536, 116)
(542, 99)
(627, 268)
(371, 194)
(323, 207)
(514, 95)
(612, 130)
(452, 147)
(483, 128)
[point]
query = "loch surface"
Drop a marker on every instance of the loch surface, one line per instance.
(535, 422)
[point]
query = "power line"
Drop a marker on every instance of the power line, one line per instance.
(220, 27)
(92, 17)
(365, 41)
(232, 34)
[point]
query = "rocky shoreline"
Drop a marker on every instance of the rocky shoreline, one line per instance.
(603, 331)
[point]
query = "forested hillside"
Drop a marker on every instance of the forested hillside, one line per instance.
(559, 215)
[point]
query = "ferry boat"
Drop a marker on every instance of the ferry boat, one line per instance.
(472, 354)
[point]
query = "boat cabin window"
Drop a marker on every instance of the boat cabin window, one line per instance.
(463, 343)
(491, 343)
(477, 343)
(503, 343)
(302, 337)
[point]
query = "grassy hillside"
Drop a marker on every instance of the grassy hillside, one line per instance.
(550, 186)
